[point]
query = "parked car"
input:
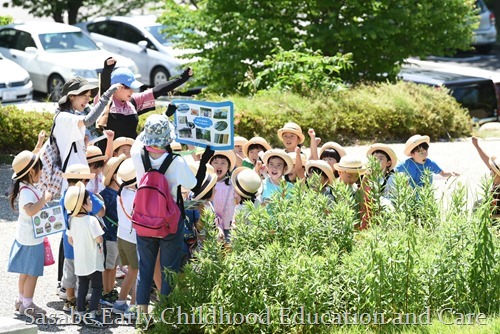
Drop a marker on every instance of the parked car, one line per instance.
(53, 53)
(476, 94)
(15, 82)
(141, 39)
(485, 36)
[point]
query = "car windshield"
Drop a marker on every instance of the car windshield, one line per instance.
(158, 33)
(67, 42)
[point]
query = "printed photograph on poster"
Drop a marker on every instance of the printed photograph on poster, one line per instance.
(202, 123)
(48, 221)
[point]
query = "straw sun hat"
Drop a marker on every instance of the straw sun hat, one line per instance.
(323, 166)
(414, 141)
(79, 172)
(111, 167)
(255, 141)
(121, 141)
(332, 145)
(228, 154)
(384, 148)
(350, 164)
(94, 154)
(22, 164)
(239, 141)
(126, 173)
(283, 155)
(246, 182)
(208, 182)
(294, 128)
(73, 200)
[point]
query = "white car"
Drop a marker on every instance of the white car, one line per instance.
(485, 36)
(53, 53)
(140, 38)
(15, 82)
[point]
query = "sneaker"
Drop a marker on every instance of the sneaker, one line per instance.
(107, 299)
(32, 310)
(62, 294)
(18, 304)
(119, 273)
(69, 305)
(120, 308)
(94, 320)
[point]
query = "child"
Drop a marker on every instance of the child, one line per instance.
(223, 163)
(325, 172)
(332, 152)
(417, 148)
(248, 186)
(388, 160)
(155, 141)
(299, 163)
(277, 163)
(74, 174)
(109, 195)
(291, 135)
(96, 161)
(126, 235)
(251, 150)
(27, 253)
(238, 149)
(122, 145)
(493, 164)
(85, 235)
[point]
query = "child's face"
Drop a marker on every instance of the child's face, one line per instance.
(253, 154)
(384, 162)
(80, 102)
(290, 140)
(124, 149)
(331, 161)
(221, 167)
(276, 168)
(420, 155)
(124, 93)
(238, 150)
(35, 175)
(348, 178)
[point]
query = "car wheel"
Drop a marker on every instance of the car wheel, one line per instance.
(54, 87)
(484, 49)
(159, 75)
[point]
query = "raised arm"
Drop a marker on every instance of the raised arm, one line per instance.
(98, 108)
(482, 154)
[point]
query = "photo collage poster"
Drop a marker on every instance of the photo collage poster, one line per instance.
(48, 221)
(202, 123)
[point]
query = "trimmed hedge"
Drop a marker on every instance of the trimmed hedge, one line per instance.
(379, 112)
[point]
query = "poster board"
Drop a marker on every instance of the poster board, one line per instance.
(202, 123)
(48, 221)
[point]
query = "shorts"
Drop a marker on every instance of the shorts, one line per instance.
(112, 256)
(128, 253)
(69, 278)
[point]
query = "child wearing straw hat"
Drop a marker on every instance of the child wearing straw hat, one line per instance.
(122, 145)
(326, 177)
(238, 149)
(27, 252)
(331, 152)
(248, 186)
(385, 155)
(251, 150)
(291, 136)
(417, 149)
(299, 164)
(96, 161)
(493, 163)
(277, 163)
(85, 235)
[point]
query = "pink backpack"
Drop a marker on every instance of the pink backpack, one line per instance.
(155, 213)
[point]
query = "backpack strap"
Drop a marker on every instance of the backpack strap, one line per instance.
(25, 187)
(145, 159)
(65, 164)
(166, 163)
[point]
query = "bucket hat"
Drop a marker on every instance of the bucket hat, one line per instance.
(283, 155)
(246, 182)
(414, 141)
(94, 154)
(22, 163)
(126, 173)
(111, 167)
(323, 166)
(125, 77)
(158, 131)
(294, 128)
(384, 148)
(76, 86)
(256, 141)
(334, 146)
(351, 165)
(79, 172)
(73, 200)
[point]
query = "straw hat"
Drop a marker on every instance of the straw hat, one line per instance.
(283, 155)
(332, 145)
(94, 154)
(158, 131)
(176, 146)
(79, 172)
(126, 173)
(120, 141)
(294, 128)
(209, 181)
(246, 182)
(323, 166)
(73, 200)
(111, 167)
(494, 165)
(76, 86)
(228, 154)
(384, 148)
(414, 141)
(303, 157)
(239, 141)
(351, 165)
(22, 164)
(258, 141)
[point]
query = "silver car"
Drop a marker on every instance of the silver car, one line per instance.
(141, 39)
(485, 36)
(15, 82)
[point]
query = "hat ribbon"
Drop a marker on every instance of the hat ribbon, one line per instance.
(28, 166)
(243, 190)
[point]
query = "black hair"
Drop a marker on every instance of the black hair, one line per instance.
(384, 153)
(317, 170)
(330, 153)
(97, 164)
(16, 185)
(256, 146)
(228, 174)
(67, 104)
(425, 146)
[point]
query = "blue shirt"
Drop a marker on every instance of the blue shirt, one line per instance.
(111, 217)
(416, 170)
(97, 205)
(269, 188)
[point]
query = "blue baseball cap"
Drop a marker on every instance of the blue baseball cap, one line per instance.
(125, 77)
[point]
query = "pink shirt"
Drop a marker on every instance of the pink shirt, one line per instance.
(224, 203)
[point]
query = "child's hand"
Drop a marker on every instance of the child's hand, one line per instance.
(48, 196)
(297, 150)
(110, 134)
(311, 133)
(455, 174)
(41, 136)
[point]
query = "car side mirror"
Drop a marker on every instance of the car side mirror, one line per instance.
(31, 49)
(143, 45)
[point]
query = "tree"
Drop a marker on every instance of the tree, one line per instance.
(234, 36)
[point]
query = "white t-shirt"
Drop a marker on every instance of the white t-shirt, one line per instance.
(66, 132)
(25, 234)
(125, 230)
(96, 185)
(178, 173)
(88, 258)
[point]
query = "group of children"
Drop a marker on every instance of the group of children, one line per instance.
(99, 195)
